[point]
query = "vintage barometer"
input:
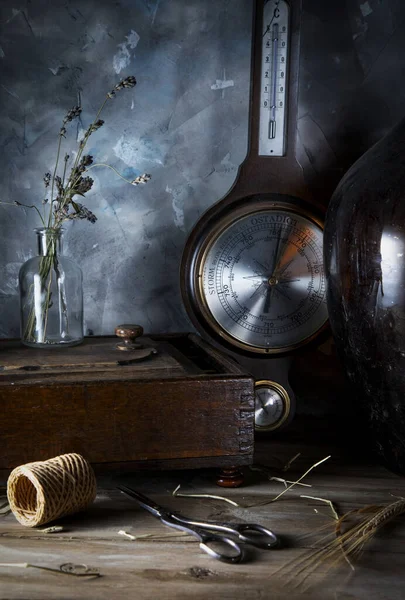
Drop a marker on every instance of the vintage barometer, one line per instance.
(252, 272)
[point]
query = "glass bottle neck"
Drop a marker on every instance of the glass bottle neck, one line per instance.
(50, 241)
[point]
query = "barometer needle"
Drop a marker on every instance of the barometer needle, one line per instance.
(288, 280)
(263, 278)
(276, 254)
(264, 269)
(284, 268)
(257, 289)
(267, 302)
(283, 293)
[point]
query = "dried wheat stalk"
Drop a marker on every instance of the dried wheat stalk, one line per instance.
(345, 545)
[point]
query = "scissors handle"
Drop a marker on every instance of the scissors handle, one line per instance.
(232, 553)
(216, 545)
(249, 533)
(256, 535)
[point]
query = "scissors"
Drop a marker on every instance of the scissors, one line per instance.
(217, 545)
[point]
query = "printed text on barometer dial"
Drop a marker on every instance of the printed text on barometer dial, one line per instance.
(263, 279)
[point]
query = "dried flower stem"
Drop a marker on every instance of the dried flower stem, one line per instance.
(45, 275)
(112, 169)
(53, 178)
(64, 170)
(25, 206)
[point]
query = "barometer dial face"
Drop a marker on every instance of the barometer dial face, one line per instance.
(259, 279)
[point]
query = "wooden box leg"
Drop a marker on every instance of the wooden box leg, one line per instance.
(230, 477)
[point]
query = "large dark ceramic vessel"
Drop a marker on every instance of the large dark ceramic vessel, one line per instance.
(364, 245)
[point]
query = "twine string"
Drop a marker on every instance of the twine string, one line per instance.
(40, 492)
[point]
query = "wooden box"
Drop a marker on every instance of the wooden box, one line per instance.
(187, 406)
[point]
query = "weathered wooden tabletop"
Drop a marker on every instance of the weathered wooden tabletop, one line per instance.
(163, 566)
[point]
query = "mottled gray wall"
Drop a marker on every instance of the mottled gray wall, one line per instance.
(185, 123)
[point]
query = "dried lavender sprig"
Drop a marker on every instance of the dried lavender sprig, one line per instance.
(77, 172)
(83, 185)
(86, 161)
(66, 158)
(96, 125)
(128, 82)
(91, 129)
(73, 113)
(47, 180)
(141, 179)
(75, 189)
(81, 212)
(59, 185)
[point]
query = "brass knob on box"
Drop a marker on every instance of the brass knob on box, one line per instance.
(129, 333)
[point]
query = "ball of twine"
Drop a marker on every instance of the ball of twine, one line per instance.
(40, 492)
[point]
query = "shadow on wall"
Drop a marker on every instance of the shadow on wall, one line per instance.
(351, 84)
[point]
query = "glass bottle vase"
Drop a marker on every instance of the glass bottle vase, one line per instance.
(51, 295)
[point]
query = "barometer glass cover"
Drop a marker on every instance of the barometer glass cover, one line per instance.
(259, 279)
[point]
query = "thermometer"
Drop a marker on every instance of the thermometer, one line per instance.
(273, 108)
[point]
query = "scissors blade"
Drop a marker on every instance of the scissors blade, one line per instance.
(144, 501)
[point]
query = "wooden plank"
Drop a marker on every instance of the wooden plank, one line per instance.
(176, 568)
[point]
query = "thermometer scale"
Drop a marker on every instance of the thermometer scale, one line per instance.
(274, 78)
